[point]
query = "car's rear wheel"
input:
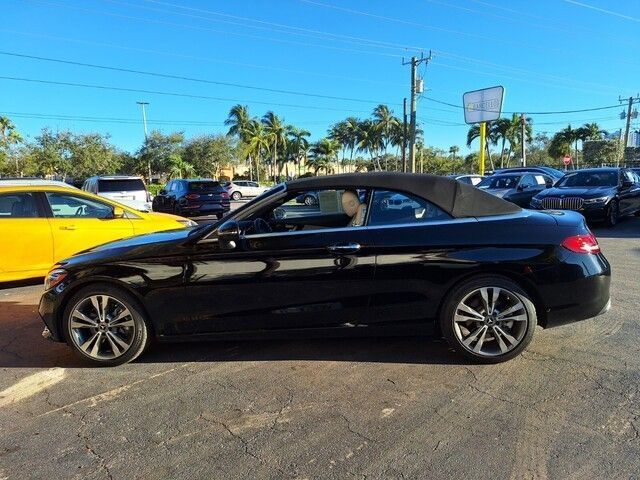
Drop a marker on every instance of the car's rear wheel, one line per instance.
(488, 319)
(236, 195)
(613, 212)
(105, 325)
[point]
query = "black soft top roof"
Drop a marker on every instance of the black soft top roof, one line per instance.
(457, 199)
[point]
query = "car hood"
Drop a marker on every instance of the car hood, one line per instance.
(583, 192)
(169, 242)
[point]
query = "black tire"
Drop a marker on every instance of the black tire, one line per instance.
(140, 337)
(309, 200)
(613, 213)
(236, 195)
(460, 292)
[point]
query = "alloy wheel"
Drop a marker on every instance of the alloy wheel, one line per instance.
(490, 321)
(102, 327)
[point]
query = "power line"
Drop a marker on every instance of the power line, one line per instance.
(173, 94)
(602, 10)
(198, 58)
(530, 113)
(225, 32)
(182, 77)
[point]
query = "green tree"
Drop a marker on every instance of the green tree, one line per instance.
(92, 154)
(156, 152)
(9, 138)
(323, 154)
(299, 145)
(385, 123)
(238, 121)
(258, 143)
(178, 168)
(370, 141)
(209, 153)
(474, 133)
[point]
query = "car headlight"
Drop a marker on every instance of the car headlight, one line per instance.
(54, 277)
(592, 201)
(185, 222)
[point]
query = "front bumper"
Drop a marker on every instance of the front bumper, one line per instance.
(592, 213)
(49, 304)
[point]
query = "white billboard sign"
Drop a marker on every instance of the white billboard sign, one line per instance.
(483, 105)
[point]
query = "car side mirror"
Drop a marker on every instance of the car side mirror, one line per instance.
(117, 212)
(627, 183)
(228, 235)
(548, 183)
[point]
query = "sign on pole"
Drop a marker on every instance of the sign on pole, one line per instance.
(483, 105)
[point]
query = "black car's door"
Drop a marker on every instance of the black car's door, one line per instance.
(290, 280)
(413, 246)
(629, 193)
(524, 192)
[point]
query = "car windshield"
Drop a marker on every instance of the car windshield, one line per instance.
(589, 179)
(120, 185)
(203, 186)
(500, 182)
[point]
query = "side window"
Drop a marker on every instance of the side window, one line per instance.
(528, 181)
(65, 205)
(253, 184)
(393, 208)
(171, 187)
(18, 205)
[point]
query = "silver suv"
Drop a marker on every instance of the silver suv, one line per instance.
(130, 191)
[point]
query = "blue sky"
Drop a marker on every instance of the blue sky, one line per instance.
(550, 55)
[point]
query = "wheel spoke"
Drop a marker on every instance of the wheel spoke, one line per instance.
(508, 337)
(512, 309)
(96, 306)
(480, 341)
(96, 346)
(484, 293)
(112, 336)
(501, 344)
(81, 320)
(466, 308)
(469, 340)
(121, 316)
(114, 347)
(103, 304)
(495, 293)
(466, 318)
(85, 346)
(517, 318)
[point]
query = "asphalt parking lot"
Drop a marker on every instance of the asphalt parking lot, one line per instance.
(568, 407)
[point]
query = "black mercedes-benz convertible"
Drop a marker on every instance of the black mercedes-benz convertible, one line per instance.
(379, 253)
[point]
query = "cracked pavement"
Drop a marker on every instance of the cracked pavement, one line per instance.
(569, 407)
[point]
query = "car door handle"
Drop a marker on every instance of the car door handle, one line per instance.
(344, 248)
(68, 227)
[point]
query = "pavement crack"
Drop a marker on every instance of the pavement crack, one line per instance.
(102, 462)
(355, 432)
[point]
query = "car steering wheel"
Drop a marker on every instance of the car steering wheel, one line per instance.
(260, 225)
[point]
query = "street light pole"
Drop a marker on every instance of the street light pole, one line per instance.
(146, 134)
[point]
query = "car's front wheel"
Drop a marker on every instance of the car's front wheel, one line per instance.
(105, 325)
(613, 212)
(236, 195)
(309, 200)
(488, 319)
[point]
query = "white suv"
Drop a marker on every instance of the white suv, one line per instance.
(244, 188)
(130, 191)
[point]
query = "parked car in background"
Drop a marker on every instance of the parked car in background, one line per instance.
(128, 190)
(244, 189)
(518, 188)
(44, 222)
(474, 268)
(549, 171)
(468, 179)
(600, 194)
(308, 198)
(188, 197)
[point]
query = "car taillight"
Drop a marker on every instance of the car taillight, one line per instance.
(192, 196)
(582, 244)
(224, 194)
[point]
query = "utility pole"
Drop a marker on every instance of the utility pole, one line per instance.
(417, 87)
(404, 135)
(523, 126)
(146, 135)
(630, 114)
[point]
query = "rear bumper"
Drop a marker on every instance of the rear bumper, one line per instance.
(582, 298)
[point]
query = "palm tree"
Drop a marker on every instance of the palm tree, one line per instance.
(238, 121)
(276, 133)
(385, 121)
(499, 131)
(323, 154)
(352, 129)
(339, 133)
(592, 131)
(570, 136)
(370, 140)
(514, 133)
(257, 143)
(299, 143)
(178, 168)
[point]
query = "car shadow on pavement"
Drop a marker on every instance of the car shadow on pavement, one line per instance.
(22, 346)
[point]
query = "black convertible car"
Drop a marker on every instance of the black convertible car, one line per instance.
(382, 253)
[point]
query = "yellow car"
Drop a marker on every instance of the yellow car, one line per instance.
(43, 222)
